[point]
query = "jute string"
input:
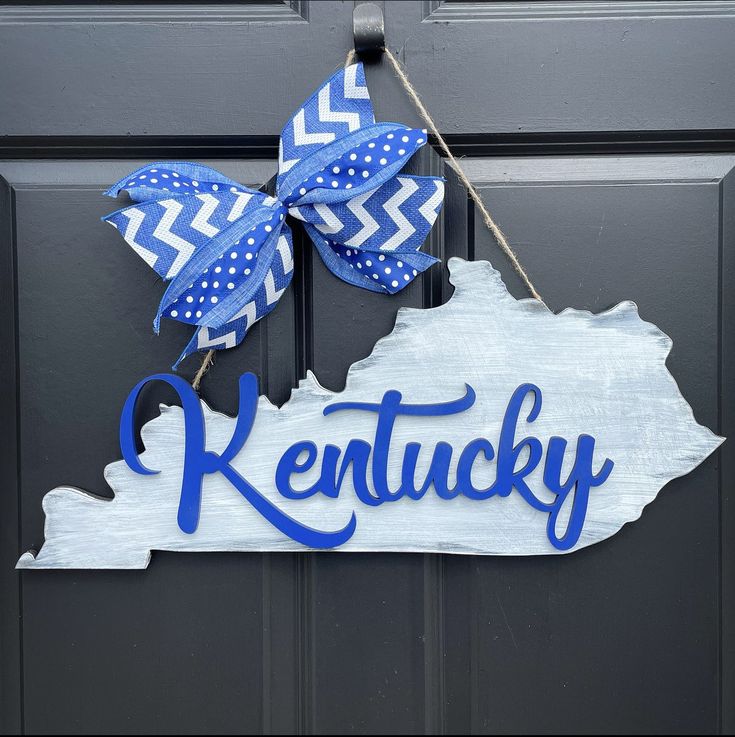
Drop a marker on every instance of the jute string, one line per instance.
(487, 218)
(206, 365)
(473, 193)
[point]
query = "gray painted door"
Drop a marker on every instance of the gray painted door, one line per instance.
(599, 134)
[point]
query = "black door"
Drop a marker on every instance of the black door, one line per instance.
(600, 135)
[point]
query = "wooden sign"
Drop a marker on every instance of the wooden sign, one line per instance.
(488, 426)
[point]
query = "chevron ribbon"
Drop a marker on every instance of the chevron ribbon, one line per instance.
(227, 250)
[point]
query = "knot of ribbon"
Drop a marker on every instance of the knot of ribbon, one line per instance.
(227, 250)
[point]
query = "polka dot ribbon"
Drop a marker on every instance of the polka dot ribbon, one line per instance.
(226, 250)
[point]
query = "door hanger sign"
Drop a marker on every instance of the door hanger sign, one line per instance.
(488, 426)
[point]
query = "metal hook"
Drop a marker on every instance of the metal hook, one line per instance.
(368, 29)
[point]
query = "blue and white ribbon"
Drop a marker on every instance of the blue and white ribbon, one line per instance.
(227, 250)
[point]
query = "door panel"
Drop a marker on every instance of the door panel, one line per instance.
(531, 67)
(167, 70)
(184, 650)
(639, 641)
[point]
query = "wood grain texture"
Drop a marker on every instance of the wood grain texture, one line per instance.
(603, 375)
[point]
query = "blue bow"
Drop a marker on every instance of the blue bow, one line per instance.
(227, 249)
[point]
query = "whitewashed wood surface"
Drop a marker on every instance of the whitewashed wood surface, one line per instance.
(603, 375)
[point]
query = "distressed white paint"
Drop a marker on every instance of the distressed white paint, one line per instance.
(603, 374)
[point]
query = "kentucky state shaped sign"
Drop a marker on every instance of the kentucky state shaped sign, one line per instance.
(488, 425)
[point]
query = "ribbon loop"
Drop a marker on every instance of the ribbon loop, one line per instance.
(360, 161)
(254, 229)
(226, 248)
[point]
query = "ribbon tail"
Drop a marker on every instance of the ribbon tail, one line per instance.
(191, 347)
(208, 253)
(205, 339)
(222, 313)
(251, 302)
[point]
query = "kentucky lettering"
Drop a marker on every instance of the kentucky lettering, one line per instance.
(368, 463)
